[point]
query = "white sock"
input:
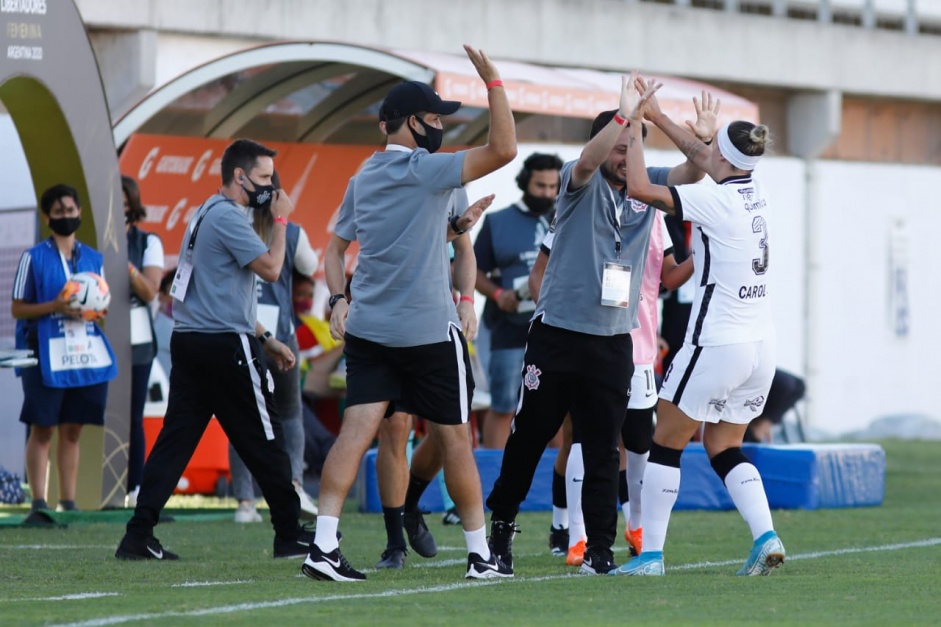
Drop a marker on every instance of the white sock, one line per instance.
(661, 487)
(477, 542)
(574, 475)
(560, 517)
(748, 493)
(636, 464)
(326, 535)
(626, 510)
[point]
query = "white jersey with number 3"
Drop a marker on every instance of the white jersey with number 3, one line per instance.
(731, 261)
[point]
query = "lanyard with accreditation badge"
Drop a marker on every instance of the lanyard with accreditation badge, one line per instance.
(616, 276)
(185, 270)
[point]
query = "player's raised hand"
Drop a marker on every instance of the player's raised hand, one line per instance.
(651, 108)
(484, 66)
(471, 216)
(707, 117)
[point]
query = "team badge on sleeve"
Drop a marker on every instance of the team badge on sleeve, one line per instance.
(531, 378)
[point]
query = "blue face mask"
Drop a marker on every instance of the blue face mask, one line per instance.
(431, 140)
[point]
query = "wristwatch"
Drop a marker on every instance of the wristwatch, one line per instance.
(454, 227)
(333, 299)
(264, 337)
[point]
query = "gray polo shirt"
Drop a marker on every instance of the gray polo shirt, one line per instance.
(586, 231)
(221, 293)
(397, 208)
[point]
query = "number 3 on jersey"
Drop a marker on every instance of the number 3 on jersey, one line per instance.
(760, 265)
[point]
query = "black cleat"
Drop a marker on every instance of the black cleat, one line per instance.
(558, 541)
(393, 558)
(451, 517)
(598, 561)
(330, 566)
(420, 539)
(479, 568)
(136, 548)
(501, 541)
(294, 547)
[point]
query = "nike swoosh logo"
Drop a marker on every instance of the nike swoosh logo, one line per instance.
(577, 480)
(649, 394)
(487, 565)
(157, 554)
(335, 564)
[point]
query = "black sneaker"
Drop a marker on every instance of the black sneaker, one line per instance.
(558, 541)
(420, 539)
(393, 558)
(451, 517)
(296, 547)
(598, 561)
(479, 568)
(330, 566)
(501, 541)
(136, 548)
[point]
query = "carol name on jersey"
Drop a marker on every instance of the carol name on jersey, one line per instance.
(749, 292)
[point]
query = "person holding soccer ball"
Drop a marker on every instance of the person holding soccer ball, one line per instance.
(76, 362)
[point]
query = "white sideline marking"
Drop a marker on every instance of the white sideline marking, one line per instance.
(66, 597)
(243, 607)
(200, 584)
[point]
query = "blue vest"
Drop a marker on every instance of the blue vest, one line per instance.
(278, 293)
(71, 353)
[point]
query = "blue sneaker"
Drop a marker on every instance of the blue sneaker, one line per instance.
(766, 554)
(647, 563)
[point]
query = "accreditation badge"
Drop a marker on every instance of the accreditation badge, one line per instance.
(615, 284)
(181, 280)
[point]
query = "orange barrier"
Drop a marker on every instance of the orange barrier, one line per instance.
(209, 465)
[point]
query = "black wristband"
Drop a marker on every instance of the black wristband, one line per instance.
(454, 227)
(264, 337)
(333, 299)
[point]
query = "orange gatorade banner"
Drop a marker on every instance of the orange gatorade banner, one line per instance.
(177, 174)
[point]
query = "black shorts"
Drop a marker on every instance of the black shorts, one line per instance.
(433, 381)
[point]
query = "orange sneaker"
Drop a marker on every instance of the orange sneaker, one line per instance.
(576, 554)
(634, 539)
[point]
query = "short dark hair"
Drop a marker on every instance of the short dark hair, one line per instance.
(56, 193)
(538, 161)
(242, 153)
(602, 120)
(297, 277)
(135, 209)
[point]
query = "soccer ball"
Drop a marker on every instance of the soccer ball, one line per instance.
(89, 293)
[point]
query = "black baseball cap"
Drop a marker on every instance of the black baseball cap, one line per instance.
(413, 97)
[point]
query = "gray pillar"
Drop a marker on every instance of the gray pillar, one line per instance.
(127, 61)
(814, 121)
(869, 14)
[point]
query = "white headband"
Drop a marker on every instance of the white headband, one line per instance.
(732, 154)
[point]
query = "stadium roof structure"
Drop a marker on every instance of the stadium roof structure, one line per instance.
(328, 92)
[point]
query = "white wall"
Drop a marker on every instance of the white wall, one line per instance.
(865, 369)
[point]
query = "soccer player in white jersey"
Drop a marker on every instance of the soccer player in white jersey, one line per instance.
(722, 374)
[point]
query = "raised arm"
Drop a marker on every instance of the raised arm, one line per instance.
(500, 148)
(599, 147)
(638, 182)
(268, 265)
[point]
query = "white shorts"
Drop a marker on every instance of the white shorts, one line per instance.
(728, 383)
(643, 388)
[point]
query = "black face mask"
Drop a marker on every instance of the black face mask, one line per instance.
(538, 204)
(431, 140)
(261, 197)
(64, 226)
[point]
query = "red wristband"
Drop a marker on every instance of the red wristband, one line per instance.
(494, 83)
(497, 293)
(281, 220)
(468, 299)
(619, 120)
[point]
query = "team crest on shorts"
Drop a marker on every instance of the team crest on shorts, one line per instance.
(531, 378)
(718, 404)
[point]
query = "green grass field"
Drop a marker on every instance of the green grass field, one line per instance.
(873, 565)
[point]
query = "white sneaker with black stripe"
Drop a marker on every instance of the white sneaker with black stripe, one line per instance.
(330, 566)
(479, 568)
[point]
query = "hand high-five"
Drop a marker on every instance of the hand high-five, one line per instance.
(472, 214)
(635, 94)
(707, 117)
(485, 68)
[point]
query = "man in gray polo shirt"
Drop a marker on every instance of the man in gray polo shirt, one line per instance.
(219, 366)
(579, 351)
(403, 342)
